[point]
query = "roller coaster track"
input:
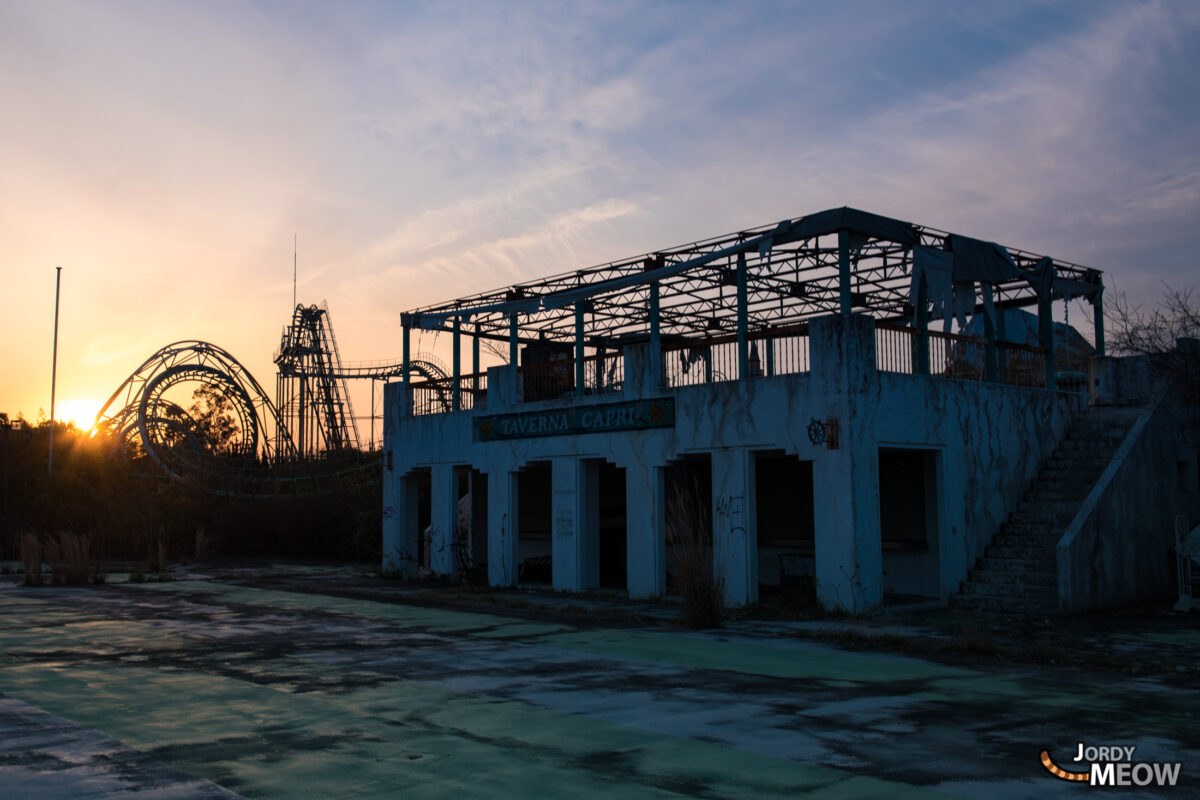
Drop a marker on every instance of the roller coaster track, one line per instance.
(141, 417)
(231, 434)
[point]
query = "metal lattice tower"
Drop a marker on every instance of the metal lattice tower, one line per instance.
(310, 389)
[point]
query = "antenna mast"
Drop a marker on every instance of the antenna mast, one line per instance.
(294, 240)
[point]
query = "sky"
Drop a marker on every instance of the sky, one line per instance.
(165, 154)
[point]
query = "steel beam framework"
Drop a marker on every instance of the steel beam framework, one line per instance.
(793, 271)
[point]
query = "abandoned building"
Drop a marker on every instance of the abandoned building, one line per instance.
(790, 383)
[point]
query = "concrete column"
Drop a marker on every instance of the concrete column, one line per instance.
(569, 501)
(392, 489)
(639, 378)
(400, 525)
(503, 391)
(849, 558)
(502, 527)
(645, 564)
(588, 538)
(735, 546)
(1098, 320)
(443, 519)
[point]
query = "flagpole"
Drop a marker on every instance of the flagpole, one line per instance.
(54, 368)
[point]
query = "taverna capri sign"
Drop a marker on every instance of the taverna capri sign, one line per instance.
(574, 420)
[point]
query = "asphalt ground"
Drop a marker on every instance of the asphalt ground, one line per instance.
(281, 681)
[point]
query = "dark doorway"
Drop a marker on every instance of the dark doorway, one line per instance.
(535, 541)
(477, 491)
(908, 522)
(470, 520)
(611, 525)
(418, 484)
(687, 488)
(783, 504)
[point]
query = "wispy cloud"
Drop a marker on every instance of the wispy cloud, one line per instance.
(167, 153)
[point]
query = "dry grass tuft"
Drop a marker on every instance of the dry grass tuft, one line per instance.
(69, 557)
(201, 551)
(31, 558)
(689, 534)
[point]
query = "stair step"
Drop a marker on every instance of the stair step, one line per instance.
(1084, 444)
(1030, 566)
(1025, 529)
(1063, 484)
(1014, 578)
(1024, 552)
(1047, 537)
(1055, 514)
(1078, 464)
(1004, 605)
(1047, 495)
(1013, 591)
(1058, 507)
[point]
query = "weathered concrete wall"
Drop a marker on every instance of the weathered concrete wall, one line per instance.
(1119, 548)
(989, 440)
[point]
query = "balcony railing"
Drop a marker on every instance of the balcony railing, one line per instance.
(603, 373)
(777, 351)
(437, 396)
(965, 358)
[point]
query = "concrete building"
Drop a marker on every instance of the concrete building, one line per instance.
(787, 384)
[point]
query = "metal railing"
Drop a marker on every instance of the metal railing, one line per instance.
(604, 373)
(437, 396)
(965, 358)
(547, 381)
(896, 349)
(775, 351)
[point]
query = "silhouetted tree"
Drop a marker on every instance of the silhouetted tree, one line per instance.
(1167, 333)
(213, 414)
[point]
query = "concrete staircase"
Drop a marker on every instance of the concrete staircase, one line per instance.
(1018, 572)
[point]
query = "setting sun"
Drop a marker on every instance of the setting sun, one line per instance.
(80, 410)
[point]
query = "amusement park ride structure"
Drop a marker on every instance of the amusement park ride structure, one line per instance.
(309, 430)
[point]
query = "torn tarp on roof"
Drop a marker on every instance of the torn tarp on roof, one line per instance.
(950, 276)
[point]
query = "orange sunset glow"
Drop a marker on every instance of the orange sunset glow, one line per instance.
(165, 155)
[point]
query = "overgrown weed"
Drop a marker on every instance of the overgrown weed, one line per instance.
(689, 534)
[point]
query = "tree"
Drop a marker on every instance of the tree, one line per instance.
(214, 417)
(1169, 334)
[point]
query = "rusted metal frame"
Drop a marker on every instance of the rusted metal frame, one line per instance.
(879, 286)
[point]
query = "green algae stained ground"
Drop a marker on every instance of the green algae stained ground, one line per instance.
(270, 693)
(365, 740)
